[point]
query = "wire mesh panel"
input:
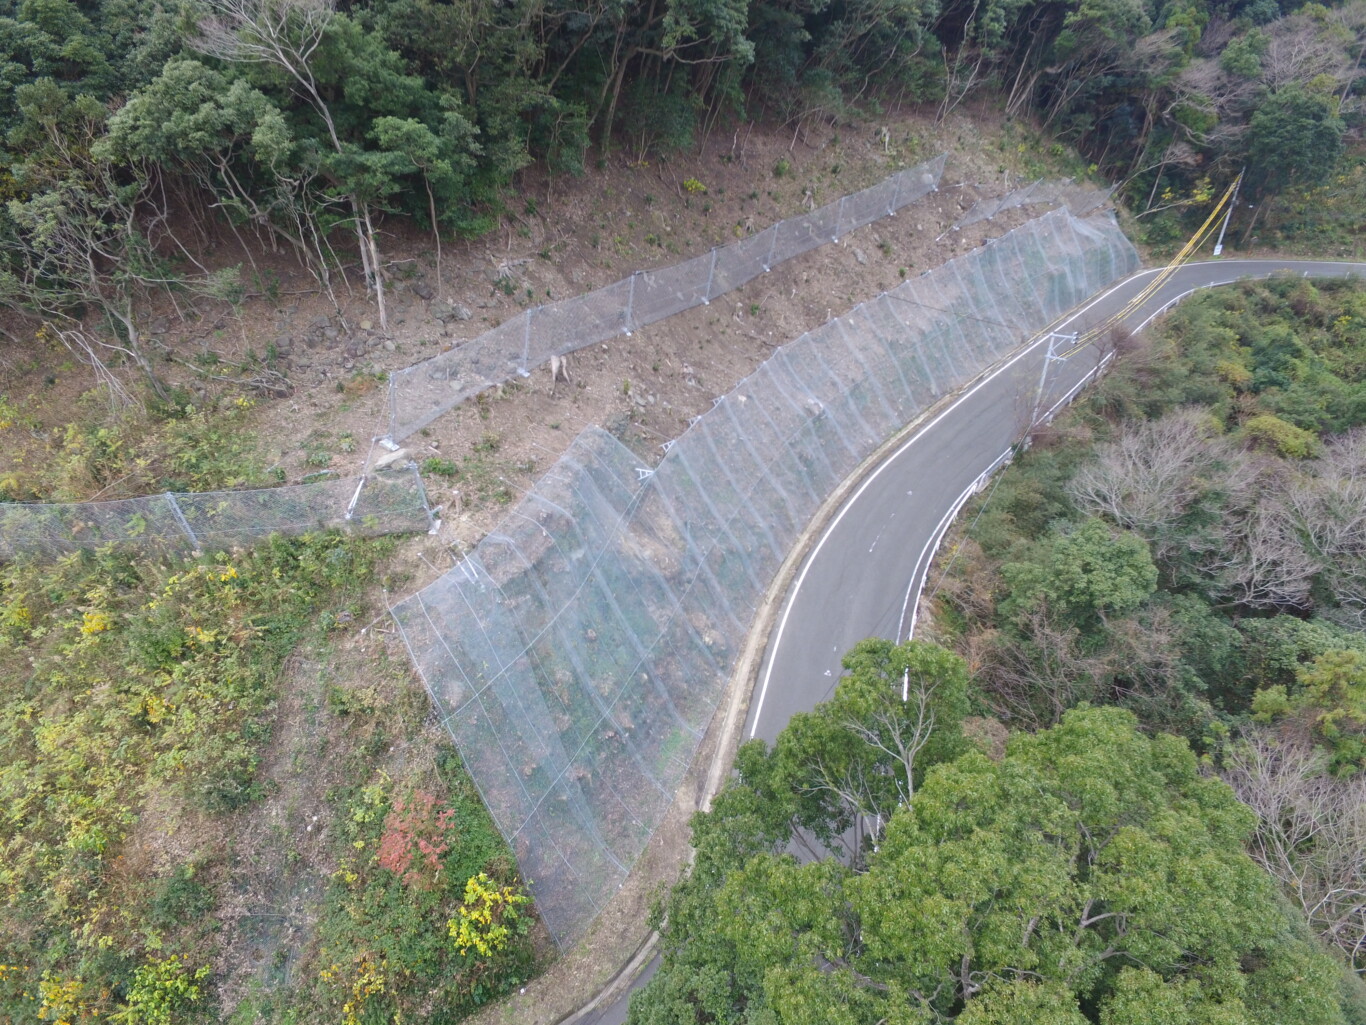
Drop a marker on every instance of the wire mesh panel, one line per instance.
(665, 291)
(739, 264)
(389, 502)
(578, 655)
(422, 392)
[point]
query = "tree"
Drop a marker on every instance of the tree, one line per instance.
(1311, 831)
(1082, 572)
(1328, 511)
(858, 757)
(228, 139)
(1328, 698)
(1031, 675)
(1169, 480)
(287, 35)
(1091, 875)
(433, 157)
(1293, 138)
(79, 236)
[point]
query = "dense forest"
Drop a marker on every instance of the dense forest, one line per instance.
(137, 134)
(1135, 791)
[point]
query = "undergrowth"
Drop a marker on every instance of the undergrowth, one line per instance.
(141, 696)
(98, 454)
(390, 943)
(135, 682)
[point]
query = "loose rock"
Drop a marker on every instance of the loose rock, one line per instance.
(396, 458)
(444, 311)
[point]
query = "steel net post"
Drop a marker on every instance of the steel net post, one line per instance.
(711, 273)
(355, 497)
(839, 218)
(526, 342)
(630, 305)
(393, 407)
(422, 497)
(180, 518)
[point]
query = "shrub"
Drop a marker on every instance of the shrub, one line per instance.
(1283, 438)
(416, 834)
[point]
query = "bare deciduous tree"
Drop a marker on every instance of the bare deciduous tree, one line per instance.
(1299, 50)
(1328, 510)
(1033, 680)
(1311, 832)
(85, 265)
(1152, 476)
(1263, 563)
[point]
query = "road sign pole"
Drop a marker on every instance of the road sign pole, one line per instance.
(1049, 357)
(1233, 201)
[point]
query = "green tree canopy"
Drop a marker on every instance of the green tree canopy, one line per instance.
(1091, 875)
(1082, 572)
(1293, 138)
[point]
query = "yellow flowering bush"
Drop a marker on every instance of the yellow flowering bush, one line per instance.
(488, 917)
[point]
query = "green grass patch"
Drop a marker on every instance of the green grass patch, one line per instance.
(136, 684)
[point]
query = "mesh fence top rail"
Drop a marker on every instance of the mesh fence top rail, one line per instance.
(420, 393)
(577, 655)
(387, 502)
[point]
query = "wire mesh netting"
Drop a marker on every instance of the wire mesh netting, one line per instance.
(1077, 197)
(420, 393)
(388, 502)
(578, 654)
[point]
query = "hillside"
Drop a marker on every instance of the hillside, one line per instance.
(329, 739)
(224, 224)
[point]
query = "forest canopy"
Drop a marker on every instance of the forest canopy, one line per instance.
(1087, 873)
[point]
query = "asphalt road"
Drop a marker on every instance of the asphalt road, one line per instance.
(865, 573)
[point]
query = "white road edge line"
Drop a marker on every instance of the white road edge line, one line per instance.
(932, 544)
(810, 559)
(937, 537)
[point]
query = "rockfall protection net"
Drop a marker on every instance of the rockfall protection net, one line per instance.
(1078, 198)
(420, 393)
(577, 655)
(387, 502)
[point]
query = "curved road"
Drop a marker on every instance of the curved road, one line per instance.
(865, 573)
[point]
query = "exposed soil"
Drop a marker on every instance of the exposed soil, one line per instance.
(563, 238)
(644, 388)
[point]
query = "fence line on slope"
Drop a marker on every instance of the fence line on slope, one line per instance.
(390, 501)
(578, 653)
(420, 393)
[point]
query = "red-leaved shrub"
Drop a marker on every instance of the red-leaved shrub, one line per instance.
(416, 834)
